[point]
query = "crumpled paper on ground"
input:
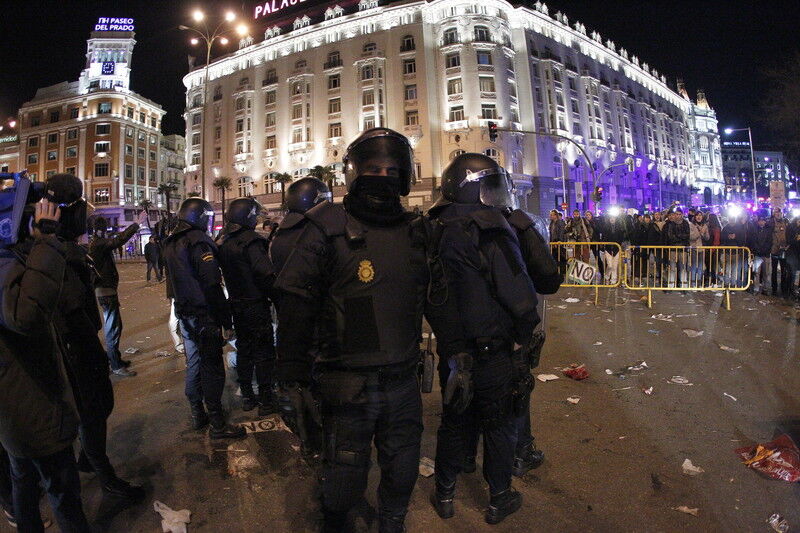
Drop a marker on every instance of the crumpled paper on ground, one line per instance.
(779, 459)
(576, 372)
(691, 470)
(172, 521)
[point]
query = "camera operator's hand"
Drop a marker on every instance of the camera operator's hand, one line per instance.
(143, 219)
(45, 218)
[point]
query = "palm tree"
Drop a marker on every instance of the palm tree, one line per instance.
(283, 178)
(224, 185)
(167, 189)
(146, 205)
(325, 174)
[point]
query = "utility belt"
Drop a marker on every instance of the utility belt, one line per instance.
(486, 346)
(339, 386)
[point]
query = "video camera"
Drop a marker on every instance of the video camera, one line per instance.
(17, 192)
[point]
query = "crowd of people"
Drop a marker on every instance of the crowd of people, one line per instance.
(350, 283)
(772, 239)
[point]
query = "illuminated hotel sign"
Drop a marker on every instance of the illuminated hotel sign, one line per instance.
(9, 139)
(113, 24)
(273, 6)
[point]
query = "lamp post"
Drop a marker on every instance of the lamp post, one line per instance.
(728, 131)
(209, 37)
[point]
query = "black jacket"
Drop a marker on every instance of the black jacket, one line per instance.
(37, 411)
(740, 234)
(101, 250)
(283, 239)
(152, 252)
(676, 234)
(760, 241)
(194, 275)
(245, 263)
(793, 237)
(541, 266)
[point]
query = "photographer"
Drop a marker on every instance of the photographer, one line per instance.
(38, 421)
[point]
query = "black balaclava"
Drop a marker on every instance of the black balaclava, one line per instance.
(376, 199)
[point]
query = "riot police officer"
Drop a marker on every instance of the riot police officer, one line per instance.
(203, 313)
(496, 300)
(361, 269)
(243, 256)
(77, 323)
(301, 196)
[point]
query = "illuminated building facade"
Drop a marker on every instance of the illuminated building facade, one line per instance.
(439, 72)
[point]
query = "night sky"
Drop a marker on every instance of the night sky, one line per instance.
(721, 46)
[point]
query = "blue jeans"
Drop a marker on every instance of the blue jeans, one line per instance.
(112, 328)
(59, 476)
(205, 371)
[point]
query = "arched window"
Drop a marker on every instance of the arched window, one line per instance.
(369, 47)
(245, 186)
(482, 34)
(367, 72)
(704, 143)
(456, 153)
(240, 103)
(408, 44)
(450, 36)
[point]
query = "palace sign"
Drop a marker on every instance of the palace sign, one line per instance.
(273, 6)
(113, 24)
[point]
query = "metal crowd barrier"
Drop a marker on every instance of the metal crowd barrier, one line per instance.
(589, 264)
(679, 268)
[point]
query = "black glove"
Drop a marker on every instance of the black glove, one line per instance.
(458, 391)
(300, 412)
(534, 350)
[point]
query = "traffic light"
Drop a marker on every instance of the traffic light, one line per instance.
(597, 195)
(493, 131)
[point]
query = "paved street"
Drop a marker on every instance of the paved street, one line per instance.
(613, 459)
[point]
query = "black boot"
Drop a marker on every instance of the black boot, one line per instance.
(391, 524)
(501, 505)
(221, 430)
(442, 500)
(121, 489)
(248, 397)
(469, 464)
(266, 403)
(199, 416)
(527, 459)
(83, 464)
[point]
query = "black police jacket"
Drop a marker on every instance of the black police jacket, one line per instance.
(101, 249)
(244, 258)
(368, 286)
(194, 275)
(284, 238)
(486, 274)
(539, 262)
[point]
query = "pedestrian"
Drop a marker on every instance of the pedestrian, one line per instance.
(38, 419)
(577, 230)
(676, 235)
(152, 254)
(558, 235)
(359, 270)
(777, 256)
(760, 245)
(594, 236)
(698, 236)
(203, 313)
(641, 256)
(712, 256)
(106, 281)
(496, 310)
(612, 230)
(655, 239)
(736, 234)
(248, 273)
(793, 255)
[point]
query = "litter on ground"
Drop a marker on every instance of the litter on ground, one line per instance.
(692, 333)
(688, 510)
(576, 372)
(778, 459)
(172, 521)
(728, 349)
(691, 470)
(574, 399)
(426, 467)
(679, 380)
(546, 377)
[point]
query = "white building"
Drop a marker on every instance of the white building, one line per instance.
(172, 159)
(439, 72)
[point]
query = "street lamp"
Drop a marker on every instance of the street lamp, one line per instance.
(209, 37)
(729, 131)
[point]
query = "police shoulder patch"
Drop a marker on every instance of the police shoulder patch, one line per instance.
(206, 257)
(366, 272)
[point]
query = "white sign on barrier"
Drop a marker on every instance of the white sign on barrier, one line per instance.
(581, 273)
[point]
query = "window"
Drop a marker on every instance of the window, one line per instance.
(101, 194)
(335, 105)
(334, 81)
(493, 153)
(72, 134)
(367, 72)
(196, 119)
(103, 108)
(300, 63)
(50, 173)
(454, 86)
(450, 36)
(73, 113)
(129, 172)
(129, 149)
(452, 60)
(409, 66)
(217, 153)
(369, 122)
(271, 77)
(195, 158)
(152, 176)
(297, 111)
(102, 147)
(33, 159)
(142, 116)
(239, 125)
(33, 142)
(152, 155)
(101, 170)
(368, 98)
(153, 122)
(410, 92)
(297, 135)
(408, 44)
(484, 57)
(54, 116)
(140, 153)
(269, 120)
(102, 129)
(412, 118)
(369, 47)
(72, 151)
(195, 138)
(482, 34)
(335, 130)
(486, 84)
(52, 138)
(334, 60)
(239, 103)
(140, 174)
(130, 113)
(271, 143)
(52, 155)
(36, 121)
(269, 97)
(488, 111)
(456, 113)
(129, 132)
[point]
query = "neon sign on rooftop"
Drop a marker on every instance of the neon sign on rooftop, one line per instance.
(273, 6)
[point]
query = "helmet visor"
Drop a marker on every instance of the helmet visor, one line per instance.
(323, 197)
(497, 188)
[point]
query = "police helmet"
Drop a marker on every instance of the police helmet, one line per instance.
(242, 213)
(197, 213)
(476, 178)
(305, 193)
(66, 190)
(379, 150)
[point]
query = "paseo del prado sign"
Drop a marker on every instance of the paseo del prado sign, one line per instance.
(273, 6)
(113, 24)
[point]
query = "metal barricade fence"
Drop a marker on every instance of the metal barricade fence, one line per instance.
(681, 268)
(589, 264)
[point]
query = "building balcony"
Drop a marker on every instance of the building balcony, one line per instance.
(267, 82)
(247, 87)
(452, 70)
(485, 68)
(244, 156)
(301, 146)
(270, 152)
(455, 97)
(335, 116)
(373, 53)
(411, 76)
(456, 125)
(332, 64)
(410, 103)
(489, 95)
